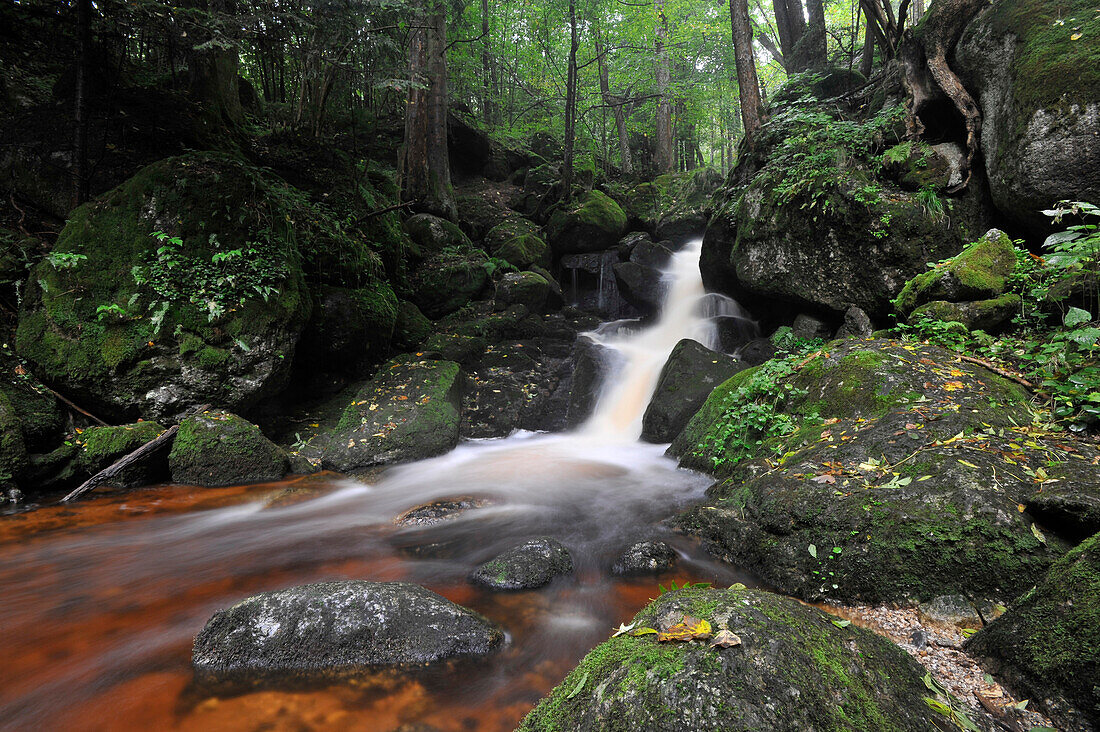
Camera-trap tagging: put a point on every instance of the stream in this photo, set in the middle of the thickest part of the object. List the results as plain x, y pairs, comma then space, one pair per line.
100, 600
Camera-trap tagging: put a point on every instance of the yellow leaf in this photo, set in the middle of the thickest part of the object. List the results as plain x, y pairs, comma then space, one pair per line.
1075, 37
688, 629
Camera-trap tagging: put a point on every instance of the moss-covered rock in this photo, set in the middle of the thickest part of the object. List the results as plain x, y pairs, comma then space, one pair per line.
530, 565
411, 327
38, 411
524, 288
687, 204
989, 315
13, 452
102, 446
592, 223
1034, 68
348, 328
979, 272
1047, 646
448, 280
218, 448
432, 234
409, 410
793, 669
910, 490
130, 323
519, 242
918, 166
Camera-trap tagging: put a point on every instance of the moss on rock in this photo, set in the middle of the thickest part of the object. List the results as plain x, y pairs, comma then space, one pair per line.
13, 452
794, 669
449, 280
519, 242
218, 448
411, 326
102, 446
592, 223
1048, 643
979, 272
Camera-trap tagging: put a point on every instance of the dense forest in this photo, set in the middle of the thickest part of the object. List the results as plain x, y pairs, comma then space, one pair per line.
550, 365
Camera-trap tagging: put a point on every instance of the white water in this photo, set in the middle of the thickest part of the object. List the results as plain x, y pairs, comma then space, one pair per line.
686, 312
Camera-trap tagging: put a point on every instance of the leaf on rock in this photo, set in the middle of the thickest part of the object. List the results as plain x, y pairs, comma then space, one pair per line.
725, 639
578, 687
688, 629
623, 629
644, 631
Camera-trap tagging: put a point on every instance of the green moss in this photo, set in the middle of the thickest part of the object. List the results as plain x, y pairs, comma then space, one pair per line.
101, 446
518, 241
13, 452
216, 448
979, 272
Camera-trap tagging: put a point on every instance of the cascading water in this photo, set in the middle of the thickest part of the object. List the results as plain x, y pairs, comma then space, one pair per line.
98, 618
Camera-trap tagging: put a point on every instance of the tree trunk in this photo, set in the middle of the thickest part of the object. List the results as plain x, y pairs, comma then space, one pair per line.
80, 133
426, 172
790, 25
812, 48
747, 81
570, 105
664, 159
486, 75
867, 61
617, 110
215, 74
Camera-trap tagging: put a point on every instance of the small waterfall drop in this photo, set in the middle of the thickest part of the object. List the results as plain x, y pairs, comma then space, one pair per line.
687, 311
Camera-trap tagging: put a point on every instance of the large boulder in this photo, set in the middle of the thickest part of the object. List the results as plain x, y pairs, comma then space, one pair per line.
448, 280
639, 285
1047, 646
529, 289
530, 565
337, 628
990, 315
13, 451
348, 328
903, 494
409, 410
687, 379
1034, 68
593, 222
688, 203
183, 285
218, 448
432, 234
778, 665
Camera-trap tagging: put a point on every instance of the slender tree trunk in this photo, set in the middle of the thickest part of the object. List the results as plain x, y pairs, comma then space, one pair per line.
426, 169
215, 74
752, 109
617, 110
664, 158
486, 77
80, 134
570, 105
814, 51
867, 61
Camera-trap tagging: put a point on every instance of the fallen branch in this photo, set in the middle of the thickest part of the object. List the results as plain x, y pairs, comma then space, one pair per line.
386, 210
1000, 371
124, 462
72, 405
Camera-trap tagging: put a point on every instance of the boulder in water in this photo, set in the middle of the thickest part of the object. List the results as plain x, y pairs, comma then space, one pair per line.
218, 448
641, 286
101, 446
528, 566
781, 666
687, 379
645, 557
338, 627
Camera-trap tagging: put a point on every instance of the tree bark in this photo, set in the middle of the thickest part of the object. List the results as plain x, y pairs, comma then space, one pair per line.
486, 75
664, 160
570, 105
426, 172
813, 51
215, 73
80, 102
747, 81
867, 61
617, 110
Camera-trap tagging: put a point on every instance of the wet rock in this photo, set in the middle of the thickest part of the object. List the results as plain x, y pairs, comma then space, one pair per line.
102, 446
591, 364
809, 328
448, 280
524, 288
409, 410
528, 566
631, 240
918, 166
687, 379
857, 324
436, 512
411, 327
641, 286
347, 329
992, 316
519, 242
793, 670
1047, 645
218, 448
950, 610
338, 627
650, 254
645, 557
756, 352
592, 223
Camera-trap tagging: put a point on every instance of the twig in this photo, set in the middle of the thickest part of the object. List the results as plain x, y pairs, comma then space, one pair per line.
121, 464
387, 209
72, 405
999, 371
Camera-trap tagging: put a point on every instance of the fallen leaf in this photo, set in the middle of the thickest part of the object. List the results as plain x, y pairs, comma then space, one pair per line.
825, 479
842, 623
644, 631
623, 628
812, 548
1038, 534
578, 687
688, 629
725, 639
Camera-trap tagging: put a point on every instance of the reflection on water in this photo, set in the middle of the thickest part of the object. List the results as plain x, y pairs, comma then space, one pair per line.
99, 602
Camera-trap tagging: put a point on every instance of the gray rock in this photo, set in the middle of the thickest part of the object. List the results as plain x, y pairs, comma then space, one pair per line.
645, 557
530, 565
334, 627
857, 324
218, 448
639, 285
525, 288
592, 362
756, 352
651, 254
950, 610
687, 379
808, 327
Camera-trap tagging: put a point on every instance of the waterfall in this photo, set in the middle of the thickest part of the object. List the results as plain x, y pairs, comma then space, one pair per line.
687, 311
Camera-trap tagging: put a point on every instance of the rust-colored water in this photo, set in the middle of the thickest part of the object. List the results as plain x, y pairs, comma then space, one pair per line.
99, 601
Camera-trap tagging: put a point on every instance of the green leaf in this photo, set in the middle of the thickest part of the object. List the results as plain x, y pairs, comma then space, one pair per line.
578, 687
842, 623
1077, 316
813, 550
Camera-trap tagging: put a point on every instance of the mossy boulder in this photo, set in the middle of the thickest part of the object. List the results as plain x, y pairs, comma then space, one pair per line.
38, 411
1047, 646
979, 272
687, 379
792, 669
348, 328
13, 451
1034, 68
989, 315
519, 242
910, 489
448, 280
128, 323
218, 448
592, 223
858, 244
529, 289
478, 213
687, 206
530, 565
411, 326
432, 234
642, 204
102, 446
408, 411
